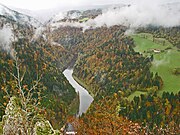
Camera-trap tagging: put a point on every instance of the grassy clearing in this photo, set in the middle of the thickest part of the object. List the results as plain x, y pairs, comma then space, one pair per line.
163, 63
136, 93
144, 45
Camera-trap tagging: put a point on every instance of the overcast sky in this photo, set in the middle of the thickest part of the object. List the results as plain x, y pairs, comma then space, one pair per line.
47, 4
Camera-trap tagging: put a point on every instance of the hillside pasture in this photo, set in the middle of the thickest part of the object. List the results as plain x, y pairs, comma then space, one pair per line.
166, 60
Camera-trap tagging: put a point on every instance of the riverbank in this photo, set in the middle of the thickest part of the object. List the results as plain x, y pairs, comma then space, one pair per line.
82, 83
74, 106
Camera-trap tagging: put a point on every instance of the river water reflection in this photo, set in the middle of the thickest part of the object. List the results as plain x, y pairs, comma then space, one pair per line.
85, 98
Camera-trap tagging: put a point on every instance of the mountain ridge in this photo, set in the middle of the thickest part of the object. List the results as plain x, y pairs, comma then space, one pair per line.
18, 17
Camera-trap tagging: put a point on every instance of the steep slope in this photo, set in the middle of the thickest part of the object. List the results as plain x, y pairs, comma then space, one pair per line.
17, 17
76, 15
38, 59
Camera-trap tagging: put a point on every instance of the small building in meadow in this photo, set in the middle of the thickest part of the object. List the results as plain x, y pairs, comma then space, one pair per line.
156, 51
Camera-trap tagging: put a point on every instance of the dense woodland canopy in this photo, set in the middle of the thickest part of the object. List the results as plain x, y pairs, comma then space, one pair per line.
113, 65
38, 61
154, 111
106, 63
143, 115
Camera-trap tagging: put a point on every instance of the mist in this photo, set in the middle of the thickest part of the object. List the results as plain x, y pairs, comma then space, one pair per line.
141, 13
6, 38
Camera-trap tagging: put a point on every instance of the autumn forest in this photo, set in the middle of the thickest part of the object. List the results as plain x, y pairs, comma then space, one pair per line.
129, 93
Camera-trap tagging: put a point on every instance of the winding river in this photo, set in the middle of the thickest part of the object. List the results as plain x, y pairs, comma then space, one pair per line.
85, 98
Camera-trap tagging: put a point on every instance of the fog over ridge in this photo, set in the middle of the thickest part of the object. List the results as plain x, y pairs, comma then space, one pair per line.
139, 14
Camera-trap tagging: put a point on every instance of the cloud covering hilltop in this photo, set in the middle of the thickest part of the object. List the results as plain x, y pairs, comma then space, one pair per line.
138, 14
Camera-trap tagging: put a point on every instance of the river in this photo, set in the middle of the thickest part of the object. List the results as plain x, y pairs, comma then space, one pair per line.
85, 98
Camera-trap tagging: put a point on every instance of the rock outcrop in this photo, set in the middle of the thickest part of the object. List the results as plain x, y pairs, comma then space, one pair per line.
17, 121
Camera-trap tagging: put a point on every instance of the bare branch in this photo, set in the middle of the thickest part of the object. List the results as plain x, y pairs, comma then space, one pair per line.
22, 78
12, 74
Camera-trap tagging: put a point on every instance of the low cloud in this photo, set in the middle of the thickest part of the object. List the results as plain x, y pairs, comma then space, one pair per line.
163, 61
139, 14
6, 38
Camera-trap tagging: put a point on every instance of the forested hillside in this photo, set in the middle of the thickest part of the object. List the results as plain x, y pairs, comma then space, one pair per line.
108, 63
144, 115
104, 59
108, 66
36, 64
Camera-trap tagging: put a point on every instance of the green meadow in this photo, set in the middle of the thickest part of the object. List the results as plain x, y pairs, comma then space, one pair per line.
166, 58
136, 93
